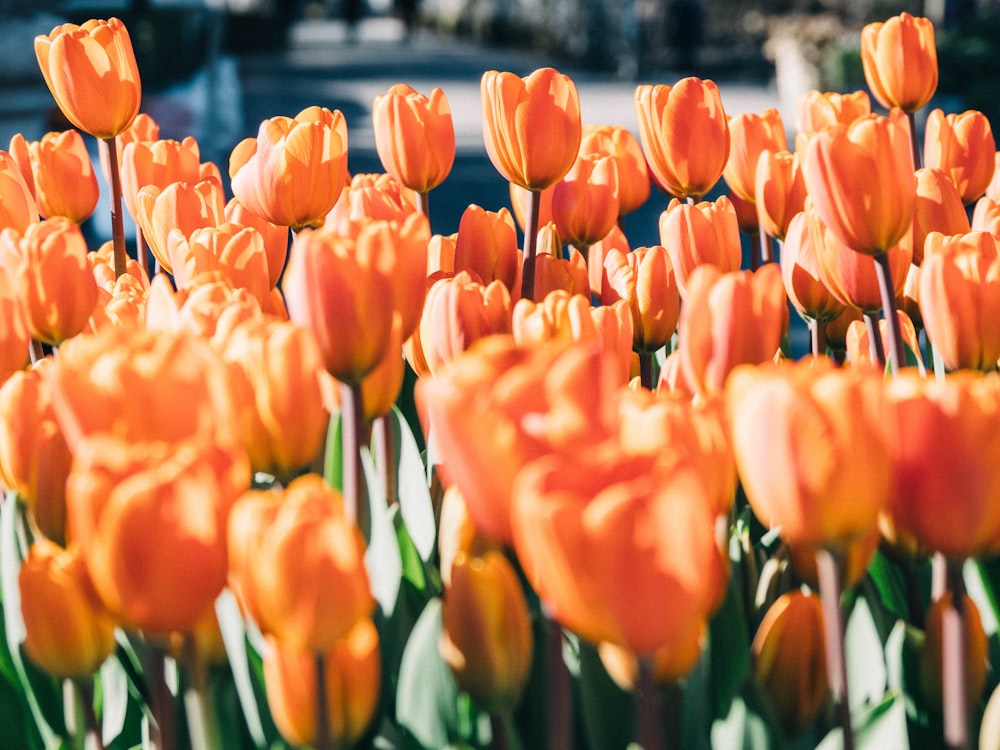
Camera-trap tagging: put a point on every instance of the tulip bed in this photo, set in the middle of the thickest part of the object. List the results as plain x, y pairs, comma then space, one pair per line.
292, 470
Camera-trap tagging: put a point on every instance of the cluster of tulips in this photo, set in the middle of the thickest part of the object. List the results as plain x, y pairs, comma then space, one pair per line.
634, 519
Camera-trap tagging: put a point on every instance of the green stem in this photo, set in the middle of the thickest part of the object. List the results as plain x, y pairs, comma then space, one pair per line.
559, 699
384, 444
889, 307
203, 724
953, 646
355, 496
829, 571
649, 728
163, 729
874, 339
117, 221
530, 245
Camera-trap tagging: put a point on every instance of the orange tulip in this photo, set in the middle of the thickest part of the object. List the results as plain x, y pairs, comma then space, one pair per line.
932, 424
810, 449
486, 246
962, 146
200, 308
531, 126
597, 252
861, 181
685, 135
414, 136
802, 275
183, 206
13, 328
938, 209
441, 254
669, 664
275, 237
552, 271
645, 279
229, 250
487, 638
750, 135
157, 162
17, 202
960, 299
63, 180
900, 61
729, 319
815, 110
56, 284
150, 521
306, 580
985, 216
293, 172
67, 632
858, 341
370, 196
993, 189
585, 203
780, 191
706, 233
633, 174
352, 672
92, 74
336, 288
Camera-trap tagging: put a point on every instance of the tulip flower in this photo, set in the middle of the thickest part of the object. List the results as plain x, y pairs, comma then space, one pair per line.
585, 203
335, 287
13, 329
815, 110
63, 180
183, 206
685, 135
17, 202
727, 320
993, 189
597, 252
667, 664
750, 135
160, 163
961, 145
352, 674
370, 196
487, 638
275, 237
959, 303
229, 250
900, 61
706, 233
633, 174
486, 246
555, 272
414, 136
985, 216
645, 279
802, 275
67, 631
92, 74
441, 254
293, 172
938, 208
306, 580
780, 191
858, 341
810, 449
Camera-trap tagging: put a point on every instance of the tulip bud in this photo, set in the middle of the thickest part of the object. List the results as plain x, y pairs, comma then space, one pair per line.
486, 246
414, 136
961, 145
159, 163
553, 272
938, 208
750, 135
645, 279
815, 110
780, 191
900, 61
585, 203
63, 177
706, 233
184, 206
275, 237
802, 275
633, 174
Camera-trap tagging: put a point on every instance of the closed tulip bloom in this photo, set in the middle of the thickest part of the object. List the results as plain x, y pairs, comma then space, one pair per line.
234, 252
92, 74
487, 638
810, 449
150, 520
960, 299
750, 135
335, 288
802, 276
585, 202
531, 126
17, 201
441, 254
684, 132
486, 246
307, 580
938, 209
944, 448
184, 206
900, 61
13, 328
56, 283
275, 237
815, 110
729, 319
414, 136
552, 271
370, 196
861, 181
623, 147
961, 145
380, 388
645, 279
789, 659
63, 179
706, 233
293, 172
597, 252
780, 191
67, 631
352, 671
157, 162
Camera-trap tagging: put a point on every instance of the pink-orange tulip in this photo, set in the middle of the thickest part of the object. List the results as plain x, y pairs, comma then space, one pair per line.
750, 135
275, 237
13, 328
585, 204
234, 252
706, 233
159, 163
17, 202
962, 146
900, 61
414, 136
552, 271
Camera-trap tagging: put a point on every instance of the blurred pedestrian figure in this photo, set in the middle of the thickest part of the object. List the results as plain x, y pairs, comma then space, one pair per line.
351, 11
406, 10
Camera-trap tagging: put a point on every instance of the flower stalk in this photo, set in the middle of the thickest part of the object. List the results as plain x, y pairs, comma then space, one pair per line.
110, 145
531, 245
829, 571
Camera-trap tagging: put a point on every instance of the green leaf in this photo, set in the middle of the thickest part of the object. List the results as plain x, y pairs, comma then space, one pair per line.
427, 696
728, 651
382, 558
742, 729
889, 580
234, 638
607, 711
879, 727
414, 495
866, 670
333, 461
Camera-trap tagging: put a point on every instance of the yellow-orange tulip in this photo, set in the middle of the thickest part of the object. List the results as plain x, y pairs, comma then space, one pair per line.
306, 579
960, 299
335, 287
352, 672
92, 74
234, 252
157, 162
938, 209
293, 172
67, 631
780, 191
706, 233
486, 246
487, 638
802, 275
932, 424
531, 126
633, 173
861, 181
900, 61
815, 110
684, 132
13, 329
810, 449
414, 136
585, 204
63, 180
645, 279
17, 202
184, 206
370, 196
729, 319
275, 237
150, 521
198, 309
961, 145
750, 135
